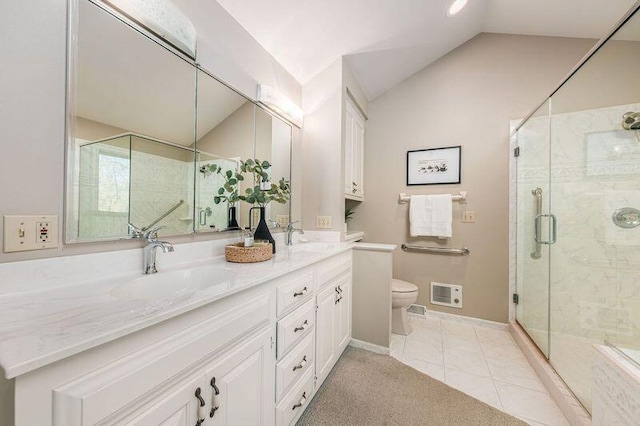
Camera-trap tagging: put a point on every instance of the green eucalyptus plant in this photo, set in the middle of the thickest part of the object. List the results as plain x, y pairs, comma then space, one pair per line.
264, 192
261, 193
229, 191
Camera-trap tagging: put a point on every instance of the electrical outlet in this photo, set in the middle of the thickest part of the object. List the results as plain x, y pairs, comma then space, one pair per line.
323, 222
468, 216
23, 233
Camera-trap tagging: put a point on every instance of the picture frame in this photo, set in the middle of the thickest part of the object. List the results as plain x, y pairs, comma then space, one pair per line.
434, 166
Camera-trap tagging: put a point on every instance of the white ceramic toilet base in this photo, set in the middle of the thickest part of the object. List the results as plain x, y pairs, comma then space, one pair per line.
400, 321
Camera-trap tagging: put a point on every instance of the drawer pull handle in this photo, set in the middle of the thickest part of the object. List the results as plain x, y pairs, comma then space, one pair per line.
213, 385
302, 327
302, 401
302, 363
300, 293
201, 405
213, 411
199, 396
216, 391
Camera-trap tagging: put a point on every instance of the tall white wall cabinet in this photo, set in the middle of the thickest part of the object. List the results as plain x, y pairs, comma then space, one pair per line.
354, 152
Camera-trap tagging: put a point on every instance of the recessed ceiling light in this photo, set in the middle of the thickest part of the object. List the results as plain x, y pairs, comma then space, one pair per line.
456, 6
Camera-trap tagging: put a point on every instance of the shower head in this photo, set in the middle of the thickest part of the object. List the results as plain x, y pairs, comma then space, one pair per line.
631, 121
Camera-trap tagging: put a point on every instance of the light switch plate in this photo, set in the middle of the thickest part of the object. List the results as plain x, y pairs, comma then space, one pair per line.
23, 233
469, 216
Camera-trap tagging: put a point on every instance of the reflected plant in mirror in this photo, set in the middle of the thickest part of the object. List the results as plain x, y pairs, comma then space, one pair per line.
228, 192
264, 191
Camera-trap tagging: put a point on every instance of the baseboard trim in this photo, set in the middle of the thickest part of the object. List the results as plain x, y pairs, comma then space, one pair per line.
369, 347
477, 322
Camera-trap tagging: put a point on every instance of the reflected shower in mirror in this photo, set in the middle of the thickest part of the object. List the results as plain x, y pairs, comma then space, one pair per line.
130, 154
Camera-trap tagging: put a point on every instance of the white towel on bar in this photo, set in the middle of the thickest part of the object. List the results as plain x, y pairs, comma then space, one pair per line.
430, 215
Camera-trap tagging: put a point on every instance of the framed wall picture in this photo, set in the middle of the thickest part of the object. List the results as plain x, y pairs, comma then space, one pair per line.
436, 166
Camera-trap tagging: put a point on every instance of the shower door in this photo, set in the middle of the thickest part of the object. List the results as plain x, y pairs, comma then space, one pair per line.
532, 210
580, 155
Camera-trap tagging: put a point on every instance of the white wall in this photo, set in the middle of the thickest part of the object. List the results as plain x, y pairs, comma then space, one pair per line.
466, 98
32, 111
323, 101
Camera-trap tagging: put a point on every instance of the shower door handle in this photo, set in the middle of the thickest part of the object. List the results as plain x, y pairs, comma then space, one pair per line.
538, 230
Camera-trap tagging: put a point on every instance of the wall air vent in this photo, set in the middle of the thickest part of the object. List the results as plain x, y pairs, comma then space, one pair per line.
446, 295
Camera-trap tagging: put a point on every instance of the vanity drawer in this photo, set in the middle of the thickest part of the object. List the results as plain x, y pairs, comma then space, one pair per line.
294, 365
331, 268
295, 402
294, 292
295, 326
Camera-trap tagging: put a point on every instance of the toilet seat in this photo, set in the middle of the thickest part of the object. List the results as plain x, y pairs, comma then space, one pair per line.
399, 286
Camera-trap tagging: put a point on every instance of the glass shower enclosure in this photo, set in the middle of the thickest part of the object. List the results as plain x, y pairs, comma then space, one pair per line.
578, 212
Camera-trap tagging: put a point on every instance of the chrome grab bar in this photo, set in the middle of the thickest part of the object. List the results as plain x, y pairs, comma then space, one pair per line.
537, 252
181, 202
464, 251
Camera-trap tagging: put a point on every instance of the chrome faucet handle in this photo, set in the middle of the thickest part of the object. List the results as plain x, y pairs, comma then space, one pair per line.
290, 225
273, 223
135, 231
152, 234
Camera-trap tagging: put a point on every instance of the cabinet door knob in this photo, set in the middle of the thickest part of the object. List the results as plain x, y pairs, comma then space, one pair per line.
302, 401
302, 363
302, 327
300, 293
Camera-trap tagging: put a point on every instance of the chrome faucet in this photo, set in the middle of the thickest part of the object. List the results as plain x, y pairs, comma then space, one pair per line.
149, 251
288, 240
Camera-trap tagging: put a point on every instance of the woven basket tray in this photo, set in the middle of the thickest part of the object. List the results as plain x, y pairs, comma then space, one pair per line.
238, 253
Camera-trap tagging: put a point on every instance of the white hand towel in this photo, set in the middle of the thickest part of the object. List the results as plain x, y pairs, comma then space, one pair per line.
430, 215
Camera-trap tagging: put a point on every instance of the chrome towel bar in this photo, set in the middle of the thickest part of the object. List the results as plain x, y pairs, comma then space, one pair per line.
464, 251
462, 198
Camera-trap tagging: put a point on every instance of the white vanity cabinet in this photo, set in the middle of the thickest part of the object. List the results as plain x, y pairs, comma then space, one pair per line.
354, 153
254, 357
333, 316
224, 364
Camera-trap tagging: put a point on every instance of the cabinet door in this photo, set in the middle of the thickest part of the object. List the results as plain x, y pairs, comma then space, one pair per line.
242, 384
343, 315
358, 156
354, 152
348, 151
179, 406
325, 332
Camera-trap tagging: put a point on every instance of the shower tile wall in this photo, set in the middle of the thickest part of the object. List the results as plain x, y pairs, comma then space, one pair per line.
158, 184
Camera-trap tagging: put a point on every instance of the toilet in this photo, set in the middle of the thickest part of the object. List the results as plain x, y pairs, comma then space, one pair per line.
403, 294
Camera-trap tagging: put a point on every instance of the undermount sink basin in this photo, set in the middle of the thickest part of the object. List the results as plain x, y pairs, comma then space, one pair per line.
166, 288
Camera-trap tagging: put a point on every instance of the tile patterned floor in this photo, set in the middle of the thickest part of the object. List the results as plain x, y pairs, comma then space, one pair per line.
481, 361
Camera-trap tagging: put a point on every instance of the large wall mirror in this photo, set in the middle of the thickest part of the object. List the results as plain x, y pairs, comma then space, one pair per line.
228, 132
138, 140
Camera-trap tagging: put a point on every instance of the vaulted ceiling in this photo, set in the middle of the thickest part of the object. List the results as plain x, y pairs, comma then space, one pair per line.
386, 41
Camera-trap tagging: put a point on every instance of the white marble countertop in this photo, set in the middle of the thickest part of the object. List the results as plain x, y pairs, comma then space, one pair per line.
42, 326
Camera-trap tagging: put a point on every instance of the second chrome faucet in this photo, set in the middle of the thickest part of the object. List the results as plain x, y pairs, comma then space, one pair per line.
288, 240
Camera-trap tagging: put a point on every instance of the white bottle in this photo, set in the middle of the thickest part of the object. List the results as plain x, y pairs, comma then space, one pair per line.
247, 237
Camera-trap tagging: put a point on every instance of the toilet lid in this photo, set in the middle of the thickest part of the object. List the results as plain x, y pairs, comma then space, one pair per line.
400, 286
